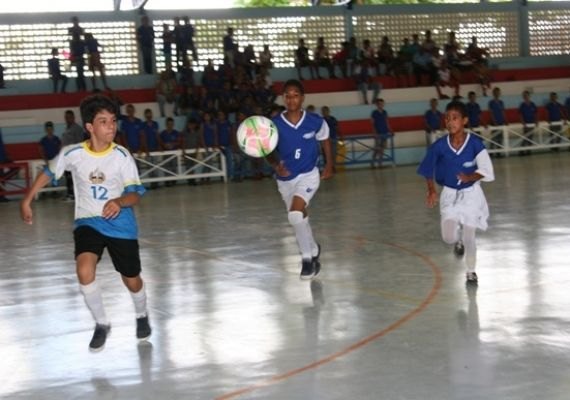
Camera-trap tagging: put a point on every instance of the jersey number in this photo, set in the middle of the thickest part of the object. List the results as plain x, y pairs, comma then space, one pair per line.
99, 192
297, 154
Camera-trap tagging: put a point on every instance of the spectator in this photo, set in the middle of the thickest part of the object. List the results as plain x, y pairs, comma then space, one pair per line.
230, 47
365, 81
382, 132
145, 38
55, 72
555, 114
473, 111
237, 155
76, 29
186, 74
77, 52
167, 40
385, 57
340, 58
72, 134
4, 159
352, 56
2, 83
94, 57
188, 33
406, 56
422, 64
446, 78
166, 91
367, 54
429, 44
132, 131
169, 139
322, 58
179, 42
249, 60
50, 145
333, 132
192, 138
224, 128
210, 130
302, 59
479, 58
433, 121
498, 118
265, 58
528, 113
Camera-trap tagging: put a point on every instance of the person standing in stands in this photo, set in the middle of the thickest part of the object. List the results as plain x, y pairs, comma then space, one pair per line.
188, 33
434, 122
77, 52
333, 133
131, 130
302, 59
54, 71
72, 134
145, 38
167, 40
528, 113
95, 63
50, 145
230, 48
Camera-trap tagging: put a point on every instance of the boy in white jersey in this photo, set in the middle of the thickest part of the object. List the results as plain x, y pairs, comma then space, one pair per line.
459, 162
107, 186
295, 163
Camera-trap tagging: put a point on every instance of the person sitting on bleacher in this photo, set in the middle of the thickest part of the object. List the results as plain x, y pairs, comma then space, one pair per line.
302, 59
50, 145
322, 58
340, 59
429, 44
473, 111
166, 90
479, 57
365, 81
406, 57
445, 78
265, 59
422, 63
368, 54
352, 56
54, 71
385, 57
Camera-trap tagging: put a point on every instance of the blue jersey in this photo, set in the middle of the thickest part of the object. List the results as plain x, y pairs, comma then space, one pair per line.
210, 134
528, 112
554, 110
380, 119
443, 163
497, 108
132, 131
150, 131
473, 114
51, 146
333, 127
3, 155
298, 145
224, 132
433, 119
170, 138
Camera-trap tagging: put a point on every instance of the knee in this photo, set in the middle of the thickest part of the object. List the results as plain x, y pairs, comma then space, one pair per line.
449, 237
295, 217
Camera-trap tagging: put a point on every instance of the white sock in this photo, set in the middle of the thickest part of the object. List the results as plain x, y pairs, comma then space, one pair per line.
94, 301
139, 300
314, 247
304, 237
470, 247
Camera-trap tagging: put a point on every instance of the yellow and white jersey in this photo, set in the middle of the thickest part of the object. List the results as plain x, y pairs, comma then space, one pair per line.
98, 178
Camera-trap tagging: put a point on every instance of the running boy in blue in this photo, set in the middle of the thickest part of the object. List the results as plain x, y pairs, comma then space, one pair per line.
107, 186
295, 162
458, 162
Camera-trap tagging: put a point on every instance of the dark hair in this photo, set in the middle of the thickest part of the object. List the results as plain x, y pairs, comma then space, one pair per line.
169, 119
471, 93
294, 83
457, 106
92, 105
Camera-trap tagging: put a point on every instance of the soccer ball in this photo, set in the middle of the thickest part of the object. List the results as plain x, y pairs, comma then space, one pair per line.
257, 136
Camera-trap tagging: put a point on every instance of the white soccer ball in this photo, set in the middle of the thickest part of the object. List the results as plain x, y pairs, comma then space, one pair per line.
257, 136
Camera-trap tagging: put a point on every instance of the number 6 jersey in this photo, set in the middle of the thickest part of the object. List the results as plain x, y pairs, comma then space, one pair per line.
98, 178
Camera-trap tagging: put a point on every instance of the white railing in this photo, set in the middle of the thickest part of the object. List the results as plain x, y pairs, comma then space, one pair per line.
163, 166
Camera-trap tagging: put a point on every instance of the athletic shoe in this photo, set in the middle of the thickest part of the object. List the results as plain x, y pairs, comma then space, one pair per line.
316, 258
316, 266
99, 337
471, 277
459, 249
143, 328
307, 270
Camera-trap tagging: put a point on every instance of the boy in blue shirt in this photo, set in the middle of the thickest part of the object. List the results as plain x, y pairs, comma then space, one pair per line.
50, 145
131, 130
333, 132
459, 162
473, 111
295, 162
555, 113
527, 111
382, 130
498, 118
169, 139
434, 121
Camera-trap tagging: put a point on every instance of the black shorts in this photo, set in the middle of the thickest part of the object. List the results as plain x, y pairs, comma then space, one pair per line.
124, 252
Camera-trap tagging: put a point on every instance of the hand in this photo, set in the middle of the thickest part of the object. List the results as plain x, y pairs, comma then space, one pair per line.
328, 172
112, 209
463, 178
26, 212
431, 199
281, 170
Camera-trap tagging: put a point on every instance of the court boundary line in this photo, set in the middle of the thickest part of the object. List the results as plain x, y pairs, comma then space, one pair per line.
436, 286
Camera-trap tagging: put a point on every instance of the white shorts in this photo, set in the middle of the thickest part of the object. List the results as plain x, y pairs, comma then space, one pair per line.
304, 186
467, 206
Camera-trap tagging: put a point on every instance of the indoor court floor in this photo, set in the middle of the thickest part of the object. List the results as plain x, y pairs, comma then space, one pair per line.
389, 317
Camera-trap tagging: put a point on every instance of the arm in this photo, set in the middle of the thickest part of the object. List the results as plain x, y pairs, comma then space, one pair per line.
328, 172
484, 170
277, 165
431, 195
25, 206
112, 208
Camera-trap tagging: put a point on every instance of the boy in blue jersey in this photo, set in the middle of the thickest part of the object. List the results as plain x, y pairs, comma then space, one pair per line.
50, 145
295, 163
107, 186
149, 142
473, 111
498, 118
555, 113
131, 130
434, 121
382, 130
333, 132
459, 162
528, 113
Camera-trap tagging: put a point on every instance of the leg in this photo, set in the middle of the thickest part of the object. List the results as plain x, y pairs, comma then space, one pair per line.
450, 231
363, 88
85, 268
470, 247
64, 83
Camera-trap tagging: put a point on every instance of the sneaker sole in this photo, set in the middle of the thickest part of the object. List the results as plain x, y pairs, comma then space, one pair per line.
307, 277
144, 339
98, 349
